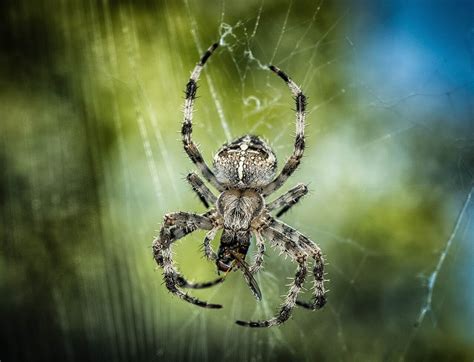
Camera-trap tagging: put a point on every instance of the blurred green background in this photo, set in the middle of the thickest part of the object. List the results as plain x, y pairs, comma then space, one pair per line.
90, 109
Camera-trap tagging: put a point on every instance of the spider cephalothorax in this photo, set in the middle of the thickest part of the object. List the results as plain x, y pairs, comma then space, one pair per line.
244, 175
237, 207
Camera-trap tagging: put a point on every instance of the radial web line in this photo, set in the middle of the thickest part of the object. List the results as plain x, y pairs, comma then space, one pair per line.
303, 36
283, 29
434, 275
433, 278
313, 55
141, 122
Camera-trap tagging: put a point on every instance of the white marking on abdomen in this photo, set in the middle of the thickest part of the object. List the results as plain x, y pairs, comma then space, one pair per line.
240, 169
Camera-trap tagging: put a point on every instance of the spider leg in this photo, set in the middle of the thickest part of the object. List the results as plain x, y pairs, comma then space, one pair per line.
297, 254
293, 162
189, 146
288, 304
287, 200
258, 260
208, 252
319, 293
205, 195
175, 226
211, 255
183, 283
319, 298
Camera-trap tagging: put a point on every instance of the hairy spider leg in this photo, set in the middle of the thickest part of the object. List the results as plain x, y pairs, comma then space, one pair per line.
319, 297
205, 195
298, 247
187, 128
296, 254
175, 226
293, 162
208, 251
249, 279
319, 293
288, 304
288, 200
183, 283
258, 259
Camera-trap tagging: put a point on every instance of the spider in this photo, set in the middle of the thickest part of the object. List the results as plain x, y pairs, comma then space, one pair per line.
244, 174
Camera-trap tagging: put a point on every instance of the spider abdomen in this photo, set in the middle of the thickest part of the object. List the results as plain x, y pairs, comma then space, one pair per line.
247, 162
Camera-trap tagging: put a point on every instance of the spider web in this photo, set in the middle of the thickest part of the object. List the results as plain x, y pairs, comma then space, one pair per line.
238, 40
389, 166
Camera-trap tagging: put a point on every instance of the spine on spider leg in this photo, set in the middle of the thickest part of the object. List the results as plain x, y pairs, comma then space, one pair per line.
319, 299
301, 102
289, 199
293, 162
190, 92
190, 147
300, 114
205, 195
288, 304
171, 231
319, 295
208, 53
191, 86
